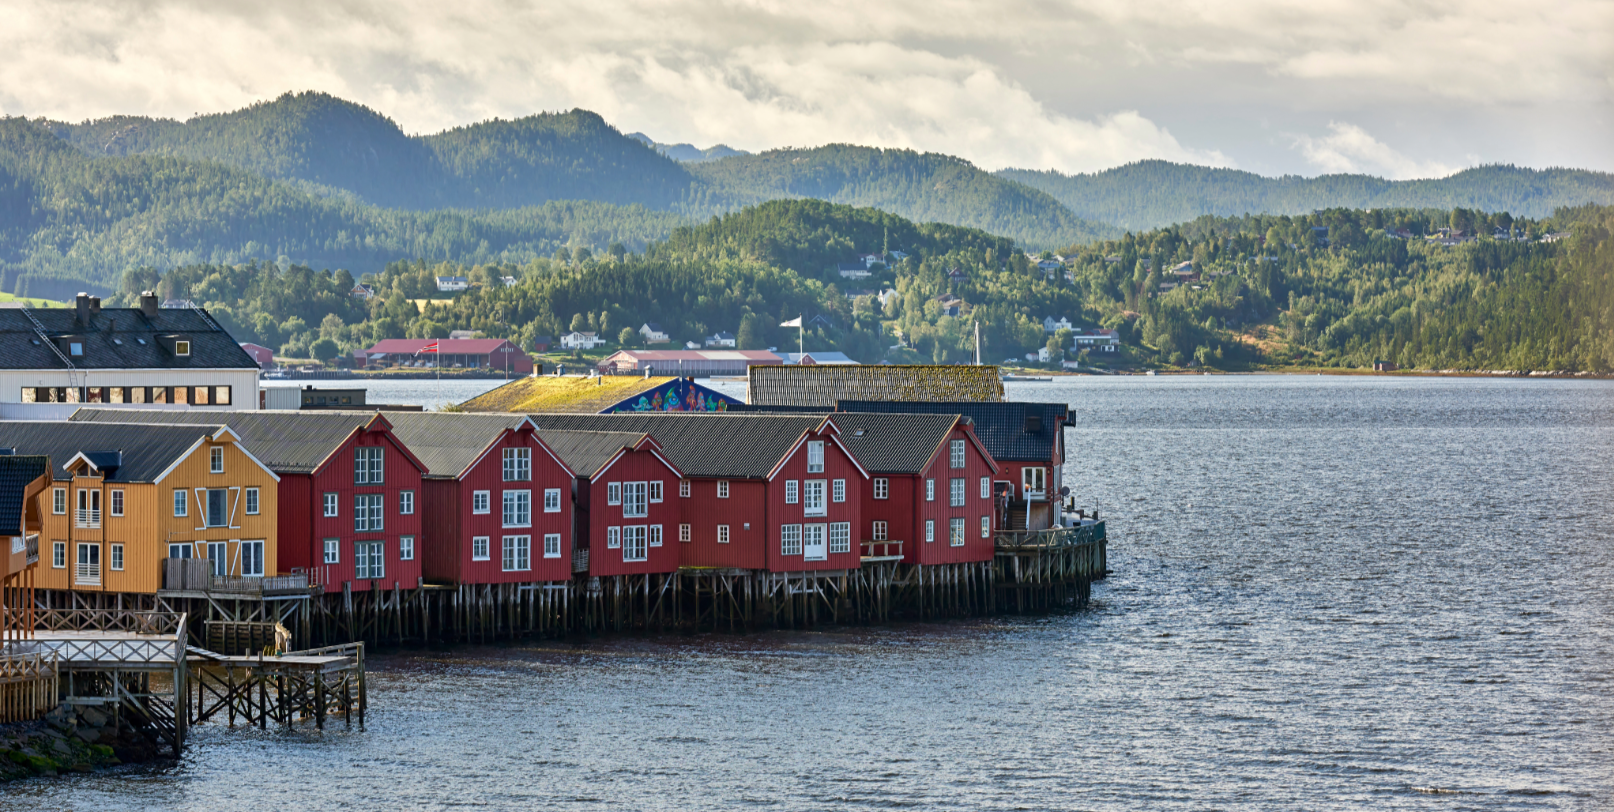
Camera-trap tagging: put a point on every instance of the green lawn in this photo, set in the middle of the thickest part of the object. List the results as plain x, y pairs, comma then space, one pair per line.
8, 297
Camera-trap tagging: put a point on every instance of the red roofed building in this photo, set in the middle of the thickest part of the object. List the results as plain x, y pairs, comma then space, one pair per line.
465, 353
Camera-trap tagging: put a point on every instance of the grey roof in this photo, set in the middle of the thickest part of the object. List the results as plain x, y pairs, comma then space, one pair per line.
893, 443
704, 445
15, 474
118, 338
445, 442
1000, 426
585, 451
147, 450
288, 442
825, 385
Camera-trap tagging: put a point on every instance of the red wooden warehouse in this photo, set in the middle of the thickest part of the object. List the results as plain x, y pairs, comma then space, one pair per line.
626, 520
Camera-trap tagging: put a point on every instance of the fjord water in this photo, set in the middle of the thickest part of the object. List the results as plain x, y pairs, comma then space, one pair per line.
1329, 593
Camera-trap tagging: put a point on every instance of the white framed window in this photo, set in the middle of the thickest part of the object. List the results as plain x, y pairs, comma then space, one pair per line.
837, 490
406, 548
369, 560
479, 548
813, 503
215, 460
613, 538
812, 542
58, 501
552, 500
955, 454
683, 489
613, 493
635, 500
406, 503
253, 506
955, 531
986, 527
792, 491
815, 456
332, 508
722, 534
252, 559
182, 550
117, 502
655, 491
117, 557
517, 509
367, 466
635, 544
882, 488
58, 555
986, 487
930, 490
1034, 482
955, 492
517, 554
551, 545
790, 539
481, 501
333, 552
840, 537
880, 531
722, 489
930, 530
655, 535
368, 513
181, 349
683, 533
518, 465
181, 502
217, 504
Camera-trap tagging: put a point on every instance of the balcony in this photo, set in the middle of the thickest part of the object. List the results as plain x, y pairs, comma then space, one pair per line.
87, 517
33, 548
87, 574
1055, 537
196, 575
882, 551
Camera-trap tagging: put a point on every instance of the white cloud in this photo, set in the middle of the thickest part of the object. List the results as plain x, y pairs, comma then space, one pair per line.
1350, 149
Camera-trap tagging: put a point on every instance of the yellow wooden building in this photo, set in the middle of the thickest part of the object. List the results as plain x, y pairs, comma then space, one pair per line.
125, 497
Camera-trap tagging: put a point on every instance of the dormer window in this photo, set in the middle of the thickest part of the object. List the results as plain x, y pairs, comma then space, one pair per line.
182, 348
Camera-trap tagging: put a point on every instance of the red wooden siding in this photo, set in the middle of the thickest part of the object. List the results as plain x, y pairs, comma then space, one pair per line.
940, 551
837, 465
453, 532
399, 473
745, 513
898, 512
293, 550
634, 466
443, 547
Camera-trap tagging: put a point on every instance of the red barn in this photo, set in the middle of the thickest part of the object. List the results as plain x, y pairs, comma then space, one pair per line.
627, 517
497, 501
930, 496
760, 491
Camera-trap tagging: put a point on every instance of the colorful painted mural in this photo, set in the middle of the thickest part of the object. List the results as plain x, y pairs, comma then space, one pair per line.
677, 395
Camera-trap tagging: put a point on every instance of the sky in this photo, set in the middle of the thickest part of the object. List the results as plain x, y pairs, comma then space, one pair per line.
1403, 89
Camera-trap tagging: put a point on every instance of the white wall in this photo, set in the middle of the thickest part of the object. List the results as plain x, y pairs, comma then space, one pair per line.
243, 383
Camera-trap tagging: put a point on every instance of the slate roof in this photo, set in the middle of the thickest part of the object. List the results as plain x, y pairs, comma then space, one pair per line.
15, 474
894, 443
826, 385
288, 442
740, 446
585, 451
118, 338
1000, 426
147, 450
557, 393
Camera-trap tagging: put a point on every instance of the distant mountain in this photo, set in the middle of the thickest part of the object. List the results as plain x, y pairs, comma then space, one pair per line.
688, 153
923, 187
1150, 194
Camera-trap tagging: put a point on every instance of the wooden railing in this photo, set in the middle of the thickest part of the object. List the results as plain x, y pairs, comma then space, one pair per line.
28, 686
1053, 537
884, 548
196, 575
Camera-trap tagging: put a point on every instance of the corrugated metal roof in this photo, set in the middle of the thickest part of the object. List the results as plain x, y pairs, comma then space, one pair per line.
703, 445
1001, 427
558, 394
893, 443
448, 443
118, 338
16, 471
288, 442
147, 450
815, 385
585, 451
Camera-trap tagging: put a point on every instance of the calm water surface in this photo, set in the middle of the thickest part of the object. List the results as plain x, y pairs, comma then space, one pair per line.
1330, 593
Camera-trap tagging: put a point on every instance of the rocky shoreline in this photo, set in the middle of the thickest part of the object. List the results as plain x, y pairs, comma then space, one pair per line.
66, 740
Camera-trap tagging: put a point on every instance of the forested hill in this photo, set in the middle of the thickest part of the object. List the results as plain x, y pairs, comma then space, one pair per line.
925, 187
1150, 194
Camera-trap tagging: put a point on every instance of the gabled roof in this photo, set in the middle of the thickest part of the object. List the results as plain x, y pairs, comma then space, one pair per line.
148, 451
585, 452
118, 338
16, 473
287, 442
825, 385
1000, 426
446, 443
894, 443
717, 445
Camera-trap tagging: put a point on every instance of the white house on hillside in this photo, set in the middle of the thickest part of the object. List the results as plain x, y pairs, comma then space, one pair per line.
1051, 326
446, 284
576, 340
721, 339
653, 334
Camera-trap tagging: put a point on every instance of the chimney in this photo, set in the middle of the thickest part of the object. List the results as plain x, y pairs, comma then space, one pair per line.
81, 304
148, 303
95, 305
647, 373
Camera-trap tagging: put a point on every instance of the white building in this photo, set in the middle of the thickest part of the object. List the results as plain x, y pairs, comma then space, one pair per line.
581, 341
1050, 326
137, 356
653, 334
721, 339
447, 284
1099, 341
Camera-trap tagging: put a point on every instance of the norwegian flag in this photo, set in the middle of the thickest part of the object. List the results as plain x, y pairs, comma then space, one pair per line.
432, 347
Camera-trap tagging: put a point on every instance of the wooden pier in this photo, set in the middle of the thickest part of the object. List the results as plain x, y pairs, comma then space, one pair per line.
279, 689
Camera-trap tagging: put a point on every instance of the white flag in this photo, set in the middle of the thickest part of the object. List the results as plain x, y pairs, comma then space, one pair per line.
795, 322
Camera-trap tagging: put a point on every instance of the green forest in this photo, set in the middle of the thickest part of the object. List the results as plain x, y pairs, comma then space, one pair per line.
1341, 288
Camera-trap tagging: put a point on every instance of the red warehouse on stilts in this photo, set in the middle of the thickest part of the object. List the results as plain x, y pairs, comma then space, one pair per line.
625, 519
